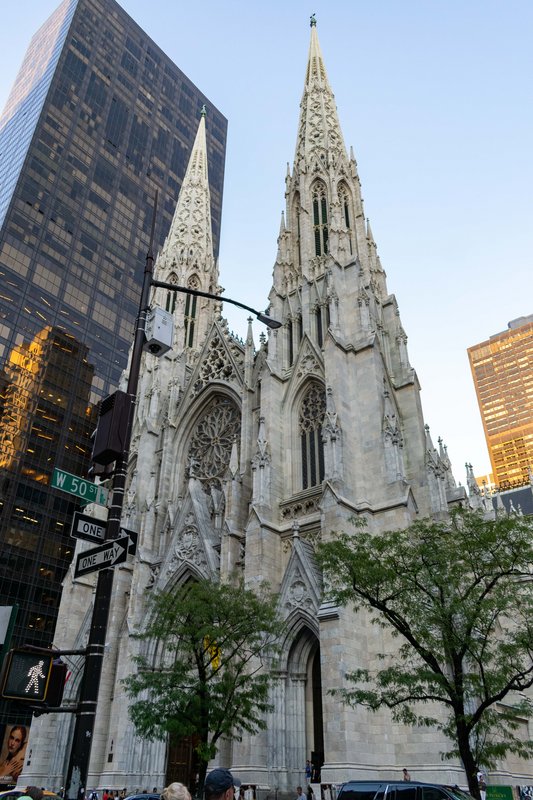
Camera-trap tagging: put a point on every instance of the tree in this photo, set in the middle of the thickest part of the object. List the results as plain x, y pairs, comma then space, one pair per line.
202, 672
458, 594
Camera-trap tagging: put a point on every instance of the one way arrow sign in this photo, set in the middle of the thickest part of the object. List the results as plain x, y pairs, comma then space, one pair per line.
107, 555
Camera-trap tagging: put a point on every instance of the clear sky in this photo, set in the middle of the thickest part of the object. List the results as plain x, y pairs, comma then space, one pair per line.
436, 98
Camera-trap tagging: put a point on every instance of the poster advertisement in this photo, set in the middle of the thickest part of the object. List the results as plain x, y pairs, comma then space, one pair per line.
13, 751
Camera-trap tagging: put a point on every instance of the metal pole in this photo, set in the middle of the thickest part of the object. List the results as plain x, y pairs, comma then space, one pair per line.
76, 781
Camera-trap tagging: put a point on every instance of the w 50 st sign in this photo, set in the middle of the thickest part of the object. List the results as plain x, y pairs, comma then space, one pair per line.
85, 490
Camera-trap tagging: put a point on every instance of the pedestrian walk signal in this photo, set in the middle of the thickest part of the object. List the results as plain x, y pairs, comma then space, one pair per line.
26, 676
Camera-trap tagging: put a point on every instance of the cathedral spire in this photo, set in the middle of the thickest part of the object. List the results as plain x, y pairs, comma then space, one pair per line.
319, 131
186, 258
188, 249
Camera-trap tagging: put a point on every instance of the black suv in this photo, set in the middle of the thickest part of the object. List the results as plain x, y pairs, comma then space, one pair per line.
401, 790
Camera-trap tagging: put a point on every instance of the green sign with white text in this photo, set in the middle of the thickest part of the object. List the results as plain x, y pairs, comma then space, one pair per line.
85, 490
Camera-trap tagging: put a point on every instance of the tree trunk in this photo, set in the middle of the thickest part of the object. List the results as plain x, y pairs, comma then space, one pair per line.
202, 772
467, 757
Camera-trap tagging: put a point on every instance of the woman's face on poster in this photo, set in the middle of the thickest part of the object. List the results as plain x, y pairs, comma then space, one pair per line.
15, 741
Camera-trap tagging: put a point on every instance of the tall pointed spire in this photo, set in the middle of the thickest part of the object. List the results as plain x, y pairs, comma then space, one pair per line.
188, 248
319, 131
186, 258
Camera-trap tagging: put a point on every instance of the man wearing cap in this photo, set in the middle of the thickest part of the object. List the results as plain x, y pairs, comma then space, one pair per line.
220, 785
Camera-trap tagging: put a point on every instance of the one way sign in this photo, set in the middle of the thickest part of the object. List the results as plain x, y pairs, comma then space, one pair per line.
107, 555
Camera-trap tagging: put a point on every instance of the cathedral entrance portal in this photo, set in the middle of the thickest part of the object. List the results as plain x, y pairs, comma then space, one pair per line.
305, 733
182, 762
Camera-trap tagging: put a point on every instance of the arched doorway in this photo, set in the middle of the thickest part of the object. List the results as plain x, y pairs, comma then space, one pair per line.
303, 710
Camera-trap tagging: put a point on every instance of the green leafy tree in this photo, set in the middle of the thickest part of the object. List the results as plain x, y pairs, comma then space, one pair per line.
204, 675
458, 594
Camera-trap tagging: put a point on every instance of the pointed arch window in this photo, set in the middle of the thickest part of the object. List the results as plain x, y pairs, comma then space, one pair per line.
320, 219
322, 322
344, 197
170, 303
190, 311
290, 342
311, 418
297, 224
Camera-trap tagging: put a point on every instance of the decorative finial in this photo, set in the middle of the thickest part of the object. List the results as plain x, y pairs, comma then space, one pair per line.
313, 21
203, 111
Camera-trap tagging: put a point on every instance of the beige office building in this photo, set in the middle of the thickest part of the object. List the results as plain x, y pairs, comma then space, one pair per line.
502, 368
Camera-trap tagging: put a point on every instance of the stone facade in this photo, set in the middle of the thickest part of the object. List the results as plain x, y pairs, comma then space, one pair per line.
242, 458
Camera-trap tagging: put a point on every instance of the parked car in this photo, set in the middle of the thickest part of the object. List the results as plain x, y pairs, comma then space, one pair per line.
142, 796
399, 790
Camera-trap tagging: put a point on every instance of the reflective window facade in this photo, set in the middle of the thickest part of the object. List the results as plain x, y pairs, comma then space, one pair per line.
98, 120
502, 368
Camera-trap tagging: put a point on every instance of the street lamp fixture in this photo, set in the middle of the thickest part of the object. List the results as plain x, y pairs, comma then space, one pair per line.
76, 778
264, 318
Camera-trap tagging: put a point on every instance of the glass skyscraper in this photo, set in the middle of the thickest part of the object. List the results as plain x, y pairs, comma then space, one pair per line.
98, 120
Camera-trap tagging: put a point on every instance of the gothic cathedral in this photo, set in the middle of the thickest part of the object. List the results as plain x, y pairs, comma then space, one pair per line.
243, 457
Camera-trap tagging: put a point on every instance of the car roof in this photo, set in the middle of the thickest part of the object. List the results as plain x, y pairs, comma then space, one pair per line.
450, 787
400, 781
143, 796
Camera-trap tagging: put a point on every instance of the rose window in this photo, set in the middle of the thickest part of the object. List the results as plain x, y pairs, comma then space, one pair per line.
212, 440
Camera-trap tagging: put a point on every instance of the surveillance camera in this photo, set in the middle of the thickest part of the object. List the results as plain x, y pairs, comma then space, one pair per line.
158, 331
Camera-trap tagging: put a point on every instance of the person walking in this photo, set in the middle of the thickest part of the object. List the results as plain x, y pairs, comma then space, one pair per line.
175, 791
482, 783
406, 775
32, 793
220, 784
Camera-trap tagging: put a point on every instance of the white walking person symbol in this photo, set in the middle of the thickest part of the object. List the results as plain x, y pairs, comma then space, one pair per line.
34, 673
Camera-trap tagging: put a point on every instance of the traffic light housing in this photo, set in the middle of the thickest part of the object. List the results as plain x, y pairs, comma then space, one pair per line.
56, 684
112, 428
26, 676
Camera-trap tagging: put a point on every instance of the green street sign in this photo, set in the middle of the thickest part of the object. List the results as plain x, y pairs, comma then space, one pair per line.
85, 490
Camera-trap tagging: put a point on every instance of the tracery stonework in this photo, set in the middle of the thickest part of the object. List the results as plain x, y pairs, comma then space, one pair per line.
308, 364
210, 448
313, 409
216, 365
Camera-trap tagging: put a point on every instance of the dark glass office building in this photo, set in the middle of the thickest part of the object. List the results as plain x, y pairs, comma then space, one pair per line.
98, 120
